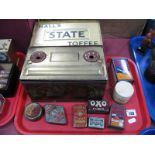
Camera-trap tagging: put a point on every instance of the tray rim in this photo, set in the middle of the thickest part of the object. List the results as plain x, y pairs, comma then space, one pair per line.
20, 130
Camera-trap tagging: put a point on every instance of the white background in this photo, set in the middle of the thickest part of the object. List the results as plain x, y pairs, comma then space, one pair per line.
77, 145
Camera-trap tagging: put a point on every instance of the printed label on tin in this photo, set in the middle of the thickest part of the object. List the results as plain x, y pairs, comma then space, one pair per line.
66, 33
95, 122
98, 106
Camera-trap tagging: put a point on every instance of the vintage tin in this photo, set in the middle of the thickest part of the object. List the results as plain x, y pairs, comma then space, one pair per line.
33, 111
55, 114
121, 70
58, 69
117, 116
79, 116
96, 122
123, 91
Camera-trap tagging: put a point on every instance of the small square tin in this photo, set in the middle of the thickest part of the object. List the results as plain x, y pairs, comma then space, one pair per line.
96, 122
55, 114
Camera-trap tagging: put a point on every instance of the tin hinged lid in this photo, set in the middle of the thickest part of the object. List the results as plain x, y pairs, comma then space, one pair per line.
66, 33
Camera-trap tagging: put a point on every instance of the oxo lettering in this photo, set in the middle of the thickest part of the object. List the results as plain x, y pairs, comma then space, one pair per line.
98, 103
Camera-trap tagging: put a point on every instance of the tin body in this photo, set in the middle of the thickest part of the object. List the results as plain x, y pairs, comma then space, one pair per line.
79, 116
55, 114
117, 116
65, 73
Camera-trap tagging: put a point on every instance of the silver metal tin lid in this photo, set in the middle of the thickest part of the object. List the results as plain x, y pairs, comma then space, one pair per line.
66, 33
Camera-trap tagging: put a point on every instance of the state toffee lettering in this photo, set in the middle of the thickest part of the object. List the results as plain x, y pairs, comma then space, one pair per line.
75, 43
67, 34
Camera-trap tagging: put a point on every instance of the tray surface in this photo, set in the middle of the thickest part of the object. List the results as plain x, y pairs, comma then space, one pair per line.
11, 102
137, 102
142, 62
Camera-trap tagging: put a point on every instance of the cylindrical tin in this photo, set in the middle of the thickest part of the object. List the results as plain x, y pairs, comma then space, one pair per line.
33, 111
123, 91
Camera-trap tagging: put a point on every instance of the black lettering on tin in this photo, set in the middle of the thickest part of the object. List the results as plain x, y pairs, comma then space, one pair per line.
70, 43
52, 35
59, 34
81, 34
80, 42
95, 42
74, 33
75, 43
66, 34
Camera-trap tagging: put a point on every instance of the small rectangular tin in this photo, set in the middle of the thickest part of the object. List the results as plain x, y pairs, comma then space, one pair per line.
117, 116
79, 116
121, 70
55, 114
96, 122
98, 107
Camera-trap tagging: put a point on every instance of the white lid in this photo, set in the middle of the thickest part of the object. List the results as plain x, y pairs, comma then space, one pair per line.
124, 89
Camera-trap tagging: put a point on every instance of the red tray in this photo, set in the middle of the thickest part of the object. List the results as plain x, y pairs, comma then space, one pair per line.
11, 103
41, 127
